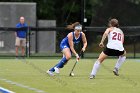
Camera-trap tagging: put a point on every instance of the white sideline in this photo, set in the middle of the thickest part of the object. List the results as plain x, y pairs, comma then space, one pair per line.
7, 91
21, 85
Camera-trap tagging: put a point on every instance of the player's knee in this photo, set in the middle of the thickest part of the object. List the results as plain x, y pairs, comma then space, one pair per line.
23, 47
100, 60
68, 57
124, 53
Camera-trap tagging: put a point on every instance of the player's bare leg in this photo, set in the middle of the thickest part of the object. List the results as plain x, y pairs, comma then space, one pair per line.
61, 63
16, 49
67, 56
23, 51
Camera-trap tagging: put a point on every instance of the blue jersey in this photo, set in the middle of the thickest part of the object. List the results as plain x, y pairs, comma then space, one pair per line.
21, 33
65, 43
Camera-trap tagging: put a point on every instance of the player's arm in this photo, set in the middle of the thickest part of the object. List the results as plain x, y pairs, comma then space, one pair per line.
17, 26
122, 37
104, 37
84, 42
70, 40
15, 34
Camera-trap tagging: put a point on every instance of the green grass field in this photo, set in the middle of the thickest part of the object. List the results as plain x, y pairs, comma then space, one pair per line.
30, 77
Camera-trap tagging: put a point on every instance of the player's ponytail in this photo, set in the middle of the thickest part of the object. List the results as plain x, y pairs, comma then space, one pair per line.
71, 26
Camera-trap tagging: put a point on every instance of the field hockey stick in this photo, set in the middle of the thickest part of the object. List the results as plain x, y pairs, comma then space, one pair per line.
75, 64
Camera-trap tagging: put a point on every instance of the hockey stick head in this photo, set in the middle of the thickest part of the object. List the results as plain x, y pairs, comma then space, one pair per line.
71, 74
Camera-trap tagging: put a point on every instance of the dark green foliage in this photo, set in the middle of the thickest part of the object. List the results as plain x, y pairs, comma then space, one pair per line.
97, 11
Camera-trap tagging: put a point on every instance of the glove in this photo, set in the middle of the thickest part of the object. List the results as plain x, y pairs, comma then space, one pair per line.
77, 57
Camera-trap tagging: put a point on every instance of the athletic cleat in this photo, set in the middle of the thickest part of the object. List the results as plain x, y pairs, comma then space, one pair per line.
92, 77
50, 73
115, 71
57, 70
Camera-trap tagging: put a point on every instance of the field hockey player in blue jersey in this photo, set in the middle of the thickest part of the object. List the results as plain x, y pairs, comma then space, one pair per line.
67, 47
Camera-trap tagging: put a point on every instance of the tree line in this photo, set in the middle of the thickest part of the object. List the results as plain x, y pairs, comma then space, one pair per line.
98, 12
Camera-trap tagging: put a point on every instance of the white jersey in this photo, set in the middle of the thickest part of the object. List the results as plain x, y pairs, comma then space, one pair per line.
115, 39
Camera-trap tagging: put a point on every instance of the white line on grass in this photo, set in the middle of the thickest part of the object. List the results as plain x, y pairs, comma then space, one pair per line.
137, 60
3, 90
23, 86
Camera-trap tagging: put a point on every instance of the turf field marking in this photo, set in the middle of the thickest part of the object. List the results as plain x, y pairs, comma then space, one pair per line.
21, 85
57, 79
3, 90
137, 60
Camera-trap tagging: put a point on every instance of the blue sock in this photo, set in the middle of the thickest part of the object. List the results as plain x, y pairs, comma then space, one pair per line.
52, 69
60, 64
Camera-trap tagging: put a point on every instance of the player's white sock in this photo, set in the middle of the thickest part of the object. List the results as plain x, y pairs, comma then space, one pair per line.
120, 61
95, 67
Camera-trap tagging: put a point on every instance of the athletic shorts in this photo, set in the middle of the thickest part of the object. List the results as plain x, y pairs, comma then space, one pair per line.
20, 42
64, 45
112, 52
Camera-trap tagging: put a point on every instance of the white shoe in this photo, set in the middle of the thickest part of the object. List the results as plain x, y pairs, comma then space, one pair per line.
50, 73
115, 71
57, 70
92, 76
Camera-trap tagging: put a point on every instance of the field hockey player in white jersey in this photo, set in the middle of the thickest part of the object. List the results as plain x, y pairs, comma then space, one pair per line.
114, 47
